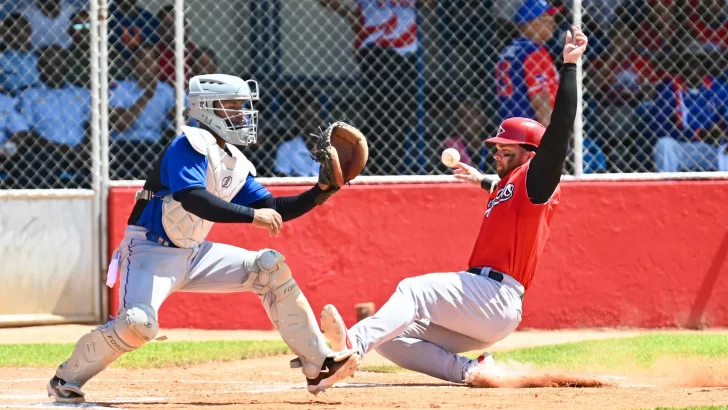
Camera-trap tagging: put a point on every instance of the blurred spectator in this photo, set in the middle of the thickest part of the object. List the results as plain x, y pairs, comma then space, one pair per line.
130, 26
141, 112
604, 12
165, 46
624, 78
58, 114
56, 110
13, 129
658, 31
527, 79
18, 63
293, 157
203, 61
709, 24
469, 135
690, 104
79, 65
49, 20
386, 44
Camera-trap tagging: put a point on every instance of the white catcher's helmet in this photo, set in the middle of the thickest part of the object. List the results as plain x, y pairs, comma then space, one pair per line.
236, 126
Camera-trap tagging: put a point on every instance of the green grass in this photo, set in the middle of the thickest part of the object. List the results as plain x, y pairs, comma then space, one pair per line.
691, 408
383, 368
157, 354
639, 351
610, 354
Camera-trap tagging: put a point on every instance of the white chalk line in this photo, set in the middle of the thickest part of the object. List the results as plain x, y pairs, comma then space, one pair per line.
89, 405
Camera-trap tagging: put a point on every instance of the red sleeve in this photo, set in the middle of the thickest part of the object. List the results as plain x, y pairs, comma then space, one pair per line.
539, 72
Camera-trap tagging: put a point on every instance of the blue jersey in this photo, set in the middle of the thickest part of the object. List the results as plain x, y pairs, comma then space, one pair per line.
524, 70
692, 109
184, 168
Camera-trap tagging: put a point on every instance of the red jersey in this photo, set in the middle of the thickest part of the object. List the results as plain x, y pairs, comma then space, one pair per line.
514, 230
166, 61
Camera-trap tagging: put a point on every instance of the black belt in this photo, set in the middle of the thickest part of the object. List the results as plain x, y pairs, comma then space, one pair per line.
492, 273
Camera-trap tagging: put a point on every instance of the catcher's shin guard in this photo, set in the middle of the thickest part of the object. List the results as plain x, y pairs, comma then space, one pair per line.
134, 326
289, 310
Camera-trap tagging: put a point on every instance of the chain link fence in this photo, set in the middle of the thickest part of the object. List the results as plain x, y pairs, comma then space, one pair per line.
417, 76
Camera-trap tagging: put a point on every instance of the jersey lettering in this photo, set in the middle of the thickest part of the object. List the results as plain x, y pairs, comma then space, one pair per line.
503, 195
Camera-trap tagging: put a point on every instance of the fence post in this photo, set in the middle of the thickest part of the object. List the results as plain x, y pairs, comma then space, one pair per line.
179, 64
578, 121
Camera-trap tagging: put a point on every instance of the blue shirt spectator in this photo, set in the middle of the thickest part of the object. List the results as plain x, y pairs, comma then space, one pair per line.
11, 121
695, 110
49, 20
293, 158
56, 110
142, 107
693, 107
153, 119
59, 114
18, 64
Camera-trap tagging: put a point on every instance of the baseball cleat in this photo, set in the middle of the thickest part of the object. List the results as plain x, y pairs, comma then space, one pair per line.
484, 365
334, 369
334, 329
64, 392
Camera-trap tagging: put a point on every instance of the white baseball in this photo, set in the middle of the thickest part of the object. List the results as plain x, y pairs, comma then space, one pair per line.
450, 157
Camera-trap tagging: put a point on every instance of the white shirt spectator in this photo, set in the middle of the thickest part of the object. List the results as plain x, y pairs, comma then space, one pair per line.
47, 31
293, 159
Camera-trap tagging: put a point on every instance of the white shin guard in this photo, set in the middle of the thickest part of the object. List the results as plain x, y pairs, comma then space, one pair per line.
289, 310
133, 327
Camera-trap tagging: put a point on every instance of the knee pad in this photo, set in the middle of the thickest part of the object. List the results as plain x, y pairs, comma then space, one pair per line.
135, 325
274, 274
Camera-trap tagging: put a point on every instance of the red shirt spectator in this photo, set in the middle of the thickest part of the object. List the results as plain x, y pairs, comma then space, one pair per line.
165, 47
166, 61
709, 24
655, 34
625, 76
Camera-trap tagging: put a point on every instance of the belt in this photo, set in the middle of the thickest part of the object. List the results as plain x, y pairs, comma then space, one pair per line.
151, 236
491, 273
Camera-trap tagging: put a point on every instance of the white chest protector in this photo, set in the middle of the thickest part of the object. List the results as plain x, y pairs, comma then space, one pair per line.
226, 176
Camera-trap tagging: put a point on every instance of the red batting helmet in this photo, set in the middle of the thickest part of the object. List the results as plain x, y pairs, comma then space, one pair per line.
517, 130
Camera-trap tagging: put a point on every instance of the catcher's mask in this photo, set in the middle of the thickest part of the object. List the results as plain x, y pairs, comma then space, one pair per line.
224, 103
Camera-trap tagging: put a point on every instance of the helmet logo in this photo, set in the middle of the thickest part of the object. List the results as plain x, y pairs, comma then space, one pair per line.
500, 130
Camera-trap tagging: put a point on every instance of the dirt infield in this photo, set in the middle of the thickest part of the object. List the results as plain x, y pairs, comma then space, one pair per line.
271, 384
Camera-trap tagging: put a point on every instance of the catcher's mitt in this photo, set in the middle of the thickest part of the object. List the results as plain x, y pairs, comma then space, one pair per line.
342, 152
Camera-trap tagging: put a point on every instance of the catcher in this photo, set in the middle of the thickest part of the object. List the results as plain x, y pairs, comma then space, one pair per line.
201, 178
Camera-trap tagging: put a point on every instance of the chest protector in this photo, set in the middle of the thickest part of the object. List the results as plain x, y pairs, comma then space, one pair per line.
227, 171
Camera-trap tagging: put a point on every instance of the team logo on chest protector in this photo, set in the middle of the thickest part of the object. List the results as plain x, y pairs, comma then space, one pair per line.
503, 195
226, 182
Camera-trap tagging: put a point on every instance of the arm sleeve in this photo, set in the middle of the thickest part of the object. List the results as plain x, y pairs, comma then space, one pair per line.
290, 207
207, 206
544, 171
